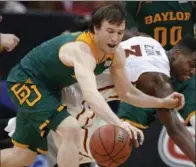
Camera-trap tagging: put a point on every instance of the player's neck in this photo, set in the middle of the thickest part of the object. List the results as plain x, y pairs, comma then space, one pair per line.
100, 52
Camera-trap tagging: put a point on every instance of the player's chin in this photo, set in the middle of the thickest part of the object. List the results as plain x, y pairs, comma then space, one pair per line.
110, 50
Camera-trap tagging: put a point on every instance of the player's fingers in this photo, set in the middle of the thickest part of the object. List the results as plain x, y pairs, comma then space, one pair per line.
174, 102
140, 137
134, 133
130, 133
16, 39
181, 103
10, 48
12, 45
135, 141
178, 95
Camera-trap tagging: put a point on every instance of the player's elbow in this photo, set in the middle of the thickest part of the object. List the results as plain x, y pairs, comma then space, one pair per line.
124, 96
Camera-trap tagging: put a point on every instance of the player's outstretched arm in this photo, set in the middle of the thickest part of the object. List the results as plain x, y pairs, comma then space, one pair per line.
129, 94
84, 64
175, 128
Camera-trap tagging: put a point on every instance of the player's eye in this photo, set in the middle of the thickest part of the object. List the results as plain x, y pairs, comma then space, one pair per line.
120, 33
110, 32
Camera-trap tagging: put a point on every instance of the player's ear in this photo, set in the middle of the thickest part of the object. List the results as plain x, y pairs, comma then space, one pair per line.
177, 53
96, 28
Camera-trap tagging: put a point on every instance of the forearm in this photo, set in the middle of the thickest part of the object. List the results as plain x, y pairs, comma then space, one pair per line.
185, 142
98, 104
178, 132
140, 99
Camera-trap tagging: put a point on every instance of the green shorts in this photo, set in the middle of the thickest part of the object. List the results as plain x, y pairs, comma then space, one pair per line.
39, 110
142, 118
136, 116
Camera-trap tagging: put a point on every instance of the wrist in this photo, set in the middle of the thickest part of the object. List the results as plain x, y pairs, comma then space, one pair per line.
160, 102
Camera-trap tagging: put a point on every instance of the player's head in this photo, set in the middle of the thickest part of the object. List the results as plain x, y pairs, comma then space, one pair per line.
183, 60
108, 25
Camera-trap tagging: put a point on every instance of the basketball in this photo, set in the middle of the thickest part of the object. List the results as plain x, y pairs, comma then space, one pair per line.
110, 146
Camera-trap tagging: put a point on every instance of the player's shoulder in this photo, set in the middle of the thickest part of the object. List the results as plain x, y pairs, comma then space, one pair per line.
76, 51
140, 40
76, 45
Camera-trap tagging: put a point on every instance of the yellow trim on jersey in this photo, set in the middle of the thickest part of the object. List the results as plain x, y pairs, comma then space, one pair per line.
88, 38
189, 117
42, 133
42, 126
135, 124
60, 108
19, 144
42, 151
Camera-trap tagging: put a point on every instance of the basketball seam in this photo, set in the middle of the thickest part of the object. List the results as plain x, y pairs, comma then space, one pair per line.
98, 153
122, 147
104, 146
114, 143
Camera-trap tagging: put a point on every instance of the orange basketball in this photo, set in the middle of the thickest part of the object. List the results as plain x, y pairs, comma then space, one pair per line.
110, 146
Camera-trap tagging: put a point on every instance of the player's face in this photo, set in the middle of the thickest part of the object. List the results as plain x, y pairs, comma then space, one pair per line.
109, 36
183, 66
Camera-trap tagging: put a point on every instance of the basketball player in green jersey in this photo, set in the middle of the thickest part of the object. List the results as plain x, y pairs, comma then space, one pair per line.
35, 86
165, 21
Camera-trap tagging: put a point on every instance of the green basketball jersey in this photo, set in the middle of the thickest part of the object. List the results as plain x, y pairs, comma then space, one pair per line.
165, 21
43, 61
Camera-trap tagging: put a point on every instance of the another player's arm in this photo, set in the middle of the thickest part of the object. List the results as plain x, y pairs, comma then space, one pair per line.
126, 91
84, 64
175, 128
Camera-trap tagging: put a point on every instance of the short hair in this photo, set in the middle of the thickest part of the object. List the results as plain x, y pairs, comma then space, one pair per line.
187, 45
113, 13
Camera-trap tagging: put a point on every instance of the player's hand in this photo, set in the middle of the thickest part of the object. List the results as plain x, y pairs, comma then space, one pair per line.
9, 41
135, 134
174, 101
